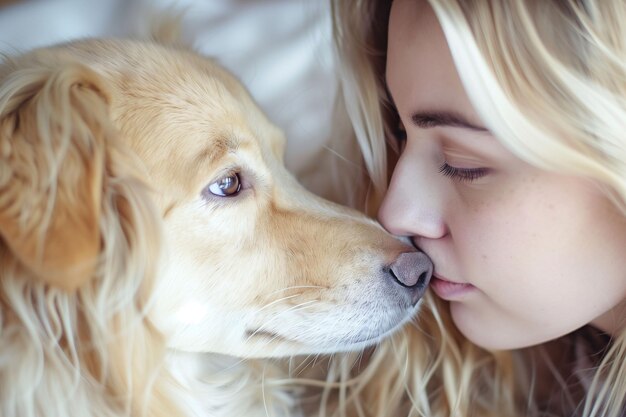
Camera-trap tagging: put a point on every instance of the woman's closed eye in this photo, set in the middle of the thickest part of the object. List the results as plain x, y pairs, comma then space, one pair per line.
463, 174
399, 139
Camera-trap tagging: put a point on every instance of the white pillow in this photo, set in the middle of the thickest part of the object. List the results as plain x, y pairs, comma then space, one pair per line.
280, 49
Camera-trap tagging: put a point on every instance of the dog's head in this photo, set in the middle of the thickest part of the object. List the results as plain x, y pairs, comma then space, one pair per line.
252, 264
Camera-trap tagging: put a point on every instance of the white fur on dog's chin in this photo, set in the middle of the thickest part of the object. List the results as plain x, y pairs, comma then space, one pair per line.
195, 319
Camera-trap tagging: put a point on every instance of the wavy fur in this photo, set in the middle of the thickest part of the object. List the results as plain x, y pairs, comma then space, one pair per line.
66, 351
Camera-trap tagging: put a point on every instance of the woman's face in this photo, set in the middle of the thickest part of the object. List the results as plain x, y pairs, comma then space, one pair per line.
522, 255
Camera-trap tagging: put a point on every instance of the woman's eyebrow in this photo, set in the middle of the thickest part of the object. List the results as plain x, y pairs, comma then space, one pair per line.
430, 119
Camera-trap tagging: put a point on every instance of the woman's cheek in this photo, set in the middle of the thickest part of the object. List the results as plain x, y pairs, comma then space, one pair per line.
493, 230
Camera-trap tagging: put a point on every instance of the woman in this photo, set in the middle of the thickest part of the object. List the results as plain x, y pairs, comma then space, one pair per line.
506, 125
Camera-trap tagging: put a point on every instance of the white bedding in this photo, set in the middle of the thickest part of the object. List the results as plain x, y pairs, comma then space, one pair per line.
280, 49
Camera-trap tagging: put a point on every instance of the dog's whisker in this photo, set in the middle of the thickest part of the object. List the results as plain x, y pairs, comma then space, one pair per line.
296, 287
292, 309
360, 357
271, 303
289, 296
263, 396
307, 362
295, 307
265, 325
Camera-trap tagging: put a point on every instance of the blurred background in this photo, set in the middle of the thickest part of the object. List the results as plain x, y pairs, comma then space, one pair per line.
280, 49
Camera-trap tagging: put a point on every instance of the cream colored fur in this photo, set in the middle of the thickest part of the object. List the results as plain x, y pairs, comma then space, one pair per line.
126, 286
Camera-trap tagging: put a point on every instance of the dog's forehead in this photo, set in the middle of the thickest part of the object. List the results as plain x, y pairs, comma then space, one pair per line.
184, 85
193, 88
179, 111
200, 112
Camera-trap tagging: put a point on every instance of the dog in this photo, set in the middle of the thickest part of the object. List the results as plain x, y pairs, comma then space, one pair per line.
153, 244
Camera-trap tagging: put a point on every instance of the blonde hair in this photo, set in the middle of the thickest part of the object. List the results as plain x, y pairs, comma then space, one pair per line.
425, 370
553, 71
88, 350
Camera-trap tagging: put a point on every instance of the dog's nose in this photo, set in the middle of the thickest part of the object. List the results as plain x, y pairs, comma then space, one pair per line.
412, 270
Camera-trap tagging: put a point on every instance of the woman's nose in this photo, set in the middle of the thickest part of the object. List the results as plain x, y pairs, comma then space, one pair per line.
413, 205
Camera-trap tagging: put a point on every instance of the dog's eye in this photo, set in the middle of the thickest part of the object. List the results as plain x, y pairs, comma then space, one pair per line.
226, 187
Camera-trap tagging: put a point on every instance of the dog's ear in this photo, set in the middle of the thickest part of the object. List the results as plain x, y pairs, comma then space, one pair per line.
54, 124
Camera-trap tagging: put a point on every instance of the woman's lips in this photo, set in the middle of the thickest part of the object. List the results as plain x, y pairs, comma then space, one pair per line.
449, 290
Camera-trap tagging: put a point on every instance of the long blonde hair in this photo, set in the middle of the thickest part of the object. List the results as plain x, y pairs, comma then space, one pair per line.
88, 350
553, 71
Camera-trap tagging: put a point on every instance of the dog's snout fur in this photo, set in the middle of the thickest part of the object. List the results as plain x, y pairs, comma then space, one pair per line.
413, 271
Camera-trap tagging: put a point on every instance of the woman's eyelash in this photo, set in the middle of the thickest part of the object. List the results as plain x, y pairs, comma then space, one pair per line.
463, 174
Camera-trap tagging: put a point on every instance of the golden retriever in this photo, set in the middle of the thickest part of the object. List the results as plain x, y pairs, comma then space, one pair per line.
151, 238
